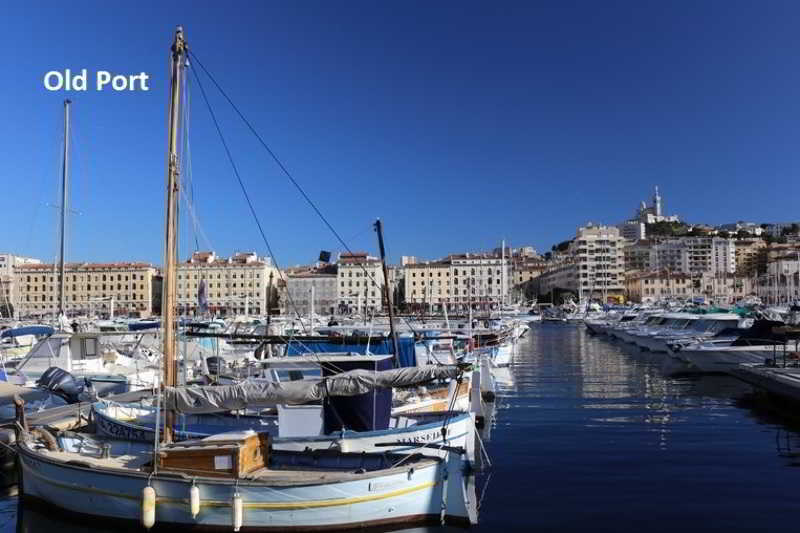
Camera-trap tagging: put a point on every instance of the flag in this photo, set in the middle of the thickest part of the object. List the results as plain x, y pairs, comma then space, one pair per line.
202, 299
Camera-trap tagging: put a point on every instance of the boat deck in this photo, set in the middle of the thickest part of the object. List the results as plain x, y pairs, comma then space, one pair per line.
140, 461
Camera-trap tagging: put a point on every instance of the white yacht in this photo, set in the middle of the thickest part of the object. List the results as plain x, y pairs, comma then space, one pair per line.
92, 356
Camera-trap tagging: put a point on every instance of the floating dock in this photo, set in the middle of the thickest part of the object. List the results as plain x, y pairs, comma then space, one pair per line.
781, 381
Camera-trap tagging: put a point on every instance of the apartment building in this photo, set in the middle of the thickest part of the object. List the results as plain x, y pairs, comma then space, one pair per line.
638, 256
524, 274
632, 230
657, 285
359, 283
482, 279
751, 256
781, 282
429, 283
559, 277
8, 292
317, 286
233, 285
89, 288
671, 255
599, 257
715, 255
721, 289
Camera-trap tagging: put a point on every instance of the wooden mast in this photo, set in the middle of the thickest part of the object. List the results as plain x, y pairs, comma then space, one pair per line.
387, 291
64, 196
169, 295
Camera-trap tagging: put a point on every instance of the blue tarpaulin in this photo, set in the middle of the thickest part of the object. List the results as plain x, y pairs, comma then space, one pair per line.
406, 357
27, 330
139, 326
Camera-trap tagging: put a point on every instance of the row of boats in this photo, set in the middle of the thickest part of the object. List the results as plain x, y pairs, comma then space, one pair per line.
249, 371
699, 342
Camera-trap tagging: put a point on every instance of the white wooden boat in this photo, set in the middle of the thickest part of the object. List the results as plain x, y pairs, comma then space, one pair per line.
311, 490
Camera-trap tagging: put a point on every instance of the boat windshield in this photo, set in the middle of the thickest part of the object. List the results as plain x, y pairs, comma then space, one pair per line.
681, 323
719, 325
701, 324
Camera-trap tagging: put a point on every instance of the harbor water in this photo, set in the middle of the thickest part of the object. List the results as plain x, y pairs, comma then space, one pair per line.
591, 435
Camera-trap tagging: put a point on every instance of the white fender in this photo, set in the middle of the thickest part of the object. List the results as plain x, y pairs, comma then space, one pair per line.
148, 507
194, 500
238, 511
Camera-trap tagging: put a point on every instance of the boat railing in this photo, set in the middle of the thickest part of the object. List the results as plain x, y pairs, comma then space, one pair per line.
782, 353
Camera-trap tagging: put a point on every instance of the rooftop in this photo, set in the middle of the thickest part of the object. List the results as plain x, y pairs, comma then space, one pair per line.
84, 266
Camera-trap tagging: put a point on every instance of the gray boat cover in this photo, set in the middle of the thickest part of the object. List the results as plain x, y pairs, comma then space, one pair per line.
211, 399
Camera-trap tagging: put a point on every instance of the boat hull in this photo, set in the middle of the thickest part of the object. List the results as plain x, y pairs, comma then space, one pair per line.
722, 360
413, 495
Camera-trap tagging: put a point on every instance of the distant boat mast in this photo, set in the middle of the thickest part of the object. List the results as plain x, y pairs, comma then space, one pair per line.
64, 182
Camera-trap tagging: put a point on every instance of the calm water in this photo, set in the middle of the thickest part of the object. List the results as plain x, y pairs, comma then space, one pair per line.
589, 435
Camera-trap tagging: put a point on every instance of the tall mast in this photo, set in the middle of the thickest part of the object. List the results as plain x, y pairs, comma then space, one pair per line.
64, 183
269, 300
386, 291
503, 275
168, 297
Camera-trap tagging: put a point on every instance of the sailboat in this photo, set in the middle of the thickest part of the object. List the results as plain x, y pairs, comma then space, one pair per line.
89, 356
233, 480
363, 424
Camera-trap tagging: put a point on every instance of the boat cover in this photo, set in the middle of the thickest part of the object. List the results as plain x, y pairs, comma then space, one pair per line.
210, 399
139, 326
27, 330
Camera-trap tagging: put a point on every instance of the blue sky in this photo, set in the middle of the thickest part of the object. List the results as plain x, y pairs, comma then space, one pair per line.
458, 123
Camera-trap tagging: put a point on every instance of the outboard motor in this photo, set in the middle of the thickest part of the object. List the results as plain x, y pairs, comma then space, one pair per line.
63, 384
215, 365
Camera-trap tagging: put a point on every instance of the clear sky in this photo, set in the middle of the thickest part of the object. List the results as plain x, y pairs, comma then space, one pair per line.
458, 123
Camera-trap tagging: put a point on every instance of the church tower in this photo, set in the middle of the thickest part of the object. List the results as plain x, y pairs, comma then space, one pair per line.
657, 203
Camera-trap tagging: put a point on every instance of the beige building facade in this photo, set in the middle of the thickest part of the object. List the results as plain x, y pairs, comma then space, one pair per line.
359, 283
236, 285
8, 287
89, 288
751, 256
598, 252
481, 279
720, 289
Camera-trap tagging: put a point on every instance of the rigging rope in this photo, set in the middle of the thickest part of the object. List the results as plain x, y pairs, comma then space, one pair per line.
244, 189
277, 162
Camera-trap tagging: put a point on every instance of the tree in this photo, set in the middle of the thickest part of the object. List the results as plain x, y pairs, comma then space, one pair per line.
562, 246
667, 229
